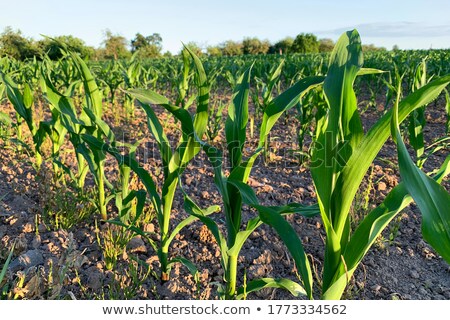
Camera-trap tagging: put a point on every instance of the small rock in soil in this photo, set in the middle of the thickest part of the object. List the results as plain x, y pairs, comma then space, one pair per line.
36, 243
28, 259
375, 288
382, 186
136, 245
414, 274
446, 294
149, 227
205, 194
423, 292
95, 278
28, 228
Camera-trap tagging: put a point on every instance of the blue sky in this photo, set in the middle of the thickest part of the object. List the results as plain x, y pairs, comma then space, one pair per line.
409, 24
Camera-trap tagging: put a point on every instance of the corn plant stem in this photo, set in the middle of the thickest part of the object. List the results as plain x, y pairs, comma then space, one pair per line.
101, 192
231, 276
38, 157
167, 209
81, 170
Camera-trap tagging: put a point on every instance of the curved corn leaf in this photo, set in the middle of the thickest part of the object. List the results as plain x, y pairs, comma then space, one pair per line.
195, 211
187, 221
8, 260
292, 242
337, 135
284, 102
358, 164
188, 264
255, 285
201, 114
236, 123
431, 198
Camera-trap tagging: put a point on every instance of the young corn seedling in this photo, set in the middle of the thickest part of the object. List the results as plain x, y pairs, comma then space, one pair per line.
417, 117
77, 125
233, 188
22, 100
266, 91
341, 156
174, 162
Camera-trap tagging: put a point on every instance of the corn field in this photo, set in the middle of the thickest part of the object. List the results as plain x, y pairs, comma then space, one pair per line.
275, 177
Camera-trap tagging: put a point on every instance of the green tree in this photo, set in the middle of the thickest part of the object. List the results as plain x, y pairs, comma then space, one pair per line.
326, 45
14, 45
214, 51
115, 46
75, 44
148, 47
305, 43
372, 47
283, 46
231, 48
255, 46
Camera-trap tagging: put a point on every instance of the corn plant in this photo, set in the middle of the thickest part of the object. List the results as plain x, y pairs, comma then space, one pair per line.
215, 120
341, 156
174, 162
5, 269
22, 100
417, 117
233, 188
77, 125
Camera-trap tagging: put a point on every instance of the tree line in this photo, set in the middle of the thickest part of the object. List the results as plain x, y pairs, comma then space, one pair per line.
114, 46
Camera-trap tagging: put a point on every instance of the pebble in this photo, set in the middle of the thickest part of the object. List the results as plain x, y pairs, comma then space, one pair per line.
382, 186
423, 292
26, 260
36, 243
28, 228
136, 245
95, 278
149, 227
375, 288
205, 195
414, 274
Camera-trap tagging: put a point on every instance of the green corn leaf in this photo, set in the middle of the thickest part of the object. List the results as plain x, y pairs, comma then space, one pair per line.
201, 115
358, 164
17, 99
298, 208
5, 119
5, 266
195, 211
370, 228
369, 71
255, 285
236, 123
431, 198
187, 221
188, 264
415, 127
337, 135
292, 242
284, 102
131, 162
